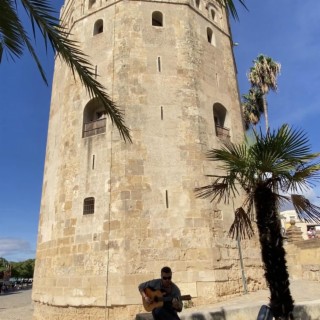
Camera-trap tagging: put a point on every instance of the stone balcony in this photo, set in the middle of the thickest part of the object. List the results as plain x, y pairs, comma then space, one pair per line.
94, 127
223, 133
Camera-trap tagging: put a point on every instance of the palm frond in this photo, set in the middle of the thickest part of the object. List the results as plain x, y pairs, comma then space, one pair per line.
295, 143
306, 211
302, 179
41, 14
282, 151
241, 226
263, 74
219, 190
249, 205
232, 157
282, 200
231, 8
10, 31
252, 107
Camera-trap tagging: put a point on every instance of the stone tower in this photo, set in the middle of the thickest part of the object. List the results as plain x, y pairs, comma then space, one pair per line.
113, 213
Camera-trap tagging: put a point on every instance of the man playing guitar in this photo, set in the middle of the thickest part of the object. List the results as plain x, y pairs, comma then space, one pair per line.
166, 302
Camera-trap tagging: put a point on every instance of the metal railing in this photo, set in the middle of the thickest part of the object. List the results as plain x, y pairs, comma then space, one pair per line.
94, 127
223, 133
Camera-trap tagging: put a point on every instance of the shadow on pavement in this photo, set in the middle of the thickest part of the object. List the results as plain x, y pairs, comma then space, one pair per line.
301, 313
218, 315
15, 291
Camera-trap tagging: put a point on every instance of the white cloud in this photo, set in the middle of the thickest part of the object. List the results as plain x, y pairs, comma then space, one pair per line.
14, 249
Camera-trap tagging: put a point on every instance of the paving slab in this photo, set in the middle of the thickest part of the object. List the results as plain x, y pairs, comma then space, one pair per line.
306, 295
18, 305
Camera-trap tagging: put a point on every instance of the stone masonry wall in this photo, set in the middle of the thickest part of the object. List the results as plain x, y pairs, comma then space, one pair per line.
303, 259
167, 81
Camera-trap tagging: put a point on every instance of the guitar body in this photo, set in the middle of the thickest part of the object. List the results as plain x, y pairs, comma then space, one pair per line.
158, 298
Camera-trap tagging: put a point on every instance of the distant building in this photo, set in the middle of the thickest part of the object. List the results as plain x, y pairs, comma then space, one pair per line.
5, 270
288, 215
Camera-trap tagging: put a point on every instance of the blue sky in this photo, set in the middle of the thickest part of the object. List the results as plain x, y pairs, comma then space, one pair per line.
285, 30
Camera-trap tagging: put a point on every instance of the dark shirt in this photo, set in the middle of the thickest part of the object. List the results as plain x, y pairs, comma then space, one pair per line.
156, 284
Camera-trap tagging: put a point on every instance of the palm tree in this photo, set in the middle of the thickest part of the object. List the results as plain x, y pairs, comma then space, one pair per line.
231, 8
13, 38
263, 77
281, 161
252, 107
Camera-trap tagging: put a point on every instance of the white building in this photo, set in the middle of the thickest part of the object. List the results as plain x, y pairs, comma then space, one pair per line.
288, 215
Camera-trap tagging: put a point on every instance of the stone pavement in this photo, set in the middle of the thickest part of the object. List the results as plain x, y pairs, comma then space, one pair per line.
246, 307
18, 306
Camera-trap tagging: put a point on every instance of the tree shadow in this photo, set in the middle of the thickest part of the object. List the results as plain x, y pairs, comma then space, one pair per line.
301, 313
9, 292
197, 316
217, 315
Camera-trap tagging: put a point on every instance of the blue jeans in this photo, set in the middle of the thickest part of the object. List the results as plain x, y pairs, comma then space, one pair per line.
165, 314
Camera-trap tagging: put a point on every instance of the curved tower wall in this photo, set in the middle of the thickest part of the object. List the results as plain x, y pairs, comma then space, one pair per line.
168, 80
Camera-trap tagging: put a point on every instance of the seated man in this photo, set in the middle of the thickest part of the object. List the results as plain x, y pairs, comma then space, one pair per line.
172, 297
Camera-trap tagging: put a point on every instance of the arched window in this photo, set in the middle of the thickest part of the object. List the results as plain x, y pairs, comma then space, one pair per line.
212, 14
88, 205
94, 119
220, 121
197, 4
91, 3
211, 37
98, 27
157, 19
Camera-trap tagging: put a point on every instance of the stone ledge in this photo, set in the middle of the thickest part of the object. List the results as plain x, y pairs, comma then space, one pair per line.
144, 316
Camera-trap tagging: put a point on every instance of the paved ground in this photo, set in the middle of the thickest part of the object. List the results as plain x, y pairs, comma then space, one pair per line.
305, 293
17, 305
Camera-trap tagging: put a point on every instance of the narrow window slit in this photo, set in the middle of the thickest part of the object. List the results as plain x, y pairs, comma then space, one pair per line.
93, 161
167, 199
159, 64
161, 113
209, 35
96, 71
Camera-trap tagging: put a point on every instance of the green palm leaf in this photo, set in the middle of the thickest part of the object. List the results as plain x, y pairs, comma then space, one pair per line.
13, 37
252, 107
10, 29
241, 226
231, 8
263, 78
280, 159
306, 211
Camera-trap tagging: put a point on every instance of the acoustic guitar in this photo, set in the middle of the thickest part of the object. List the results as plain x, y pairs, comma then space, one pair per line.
158, 298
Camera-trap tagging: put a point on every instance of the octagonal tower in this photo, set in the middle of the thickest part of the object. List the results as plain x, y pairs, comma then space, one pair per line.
113, 213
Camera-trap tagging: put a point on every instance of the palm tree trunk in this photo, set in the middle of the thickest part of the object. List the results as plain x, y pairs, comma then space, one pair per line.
273, 253
265, 111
